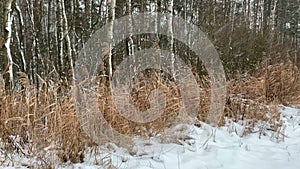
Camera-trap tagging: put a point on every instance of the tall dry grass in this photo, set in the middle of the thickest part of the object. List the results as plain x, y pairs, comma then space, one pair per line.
42, 125
255, 98
140, 98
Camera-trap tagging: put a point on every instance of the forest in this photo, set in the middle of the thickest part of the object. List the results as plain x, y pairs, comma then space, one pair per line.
41, 41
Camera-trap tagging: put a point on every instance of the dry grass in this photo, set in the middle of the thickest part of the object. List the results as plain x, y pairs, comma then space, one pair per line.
45, 120
255, 98
140, 98
46, 124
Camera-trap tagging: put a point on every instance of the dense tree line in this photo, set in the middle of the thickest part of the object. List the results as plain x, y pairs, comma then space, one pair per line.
44, 37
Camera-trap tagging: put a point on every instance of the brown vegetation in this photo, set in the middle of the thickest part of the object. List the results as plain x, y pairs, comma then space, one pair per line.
47, 118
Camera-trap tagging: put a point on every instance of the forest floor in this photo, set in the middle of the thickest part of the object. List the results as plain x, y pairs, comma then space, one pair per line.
224, 148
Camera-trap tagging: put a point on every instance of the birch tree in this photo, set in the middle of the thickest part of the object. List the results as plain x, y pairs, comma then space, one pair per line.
67, 38
111, 19
88, 13
7, 36
130, 44
60, 35
171, 39
35, 52
21, 37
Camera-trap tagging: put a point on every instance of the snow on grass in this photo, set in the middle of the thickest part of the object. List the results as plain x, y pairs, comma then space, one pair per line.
224, 150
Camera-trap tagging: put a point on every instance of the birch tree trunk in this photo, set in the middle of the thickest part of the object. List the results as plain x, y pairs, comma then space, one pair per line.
273, 16
74, 40
255, 11
20, 38
272, 34
67, 38
8, 19
60, 35
157, 29
157, 19
130, 41
88, 13
111, 19
49, 33
35, 48
233, 10
171, 39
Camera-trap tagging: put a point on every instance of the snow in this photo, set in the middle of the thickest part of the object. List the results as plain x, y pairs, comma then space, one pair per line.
224, 149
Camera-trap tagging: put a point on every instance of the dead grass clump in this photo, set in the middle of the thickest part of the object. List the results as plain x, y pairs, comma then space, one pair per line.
246, 105
140, 98
251, 97
283, 83
44, 121
248, 87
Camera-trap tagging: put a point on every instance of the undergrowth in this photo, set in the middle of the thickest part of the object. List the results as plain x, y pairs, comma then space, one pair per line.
42, 124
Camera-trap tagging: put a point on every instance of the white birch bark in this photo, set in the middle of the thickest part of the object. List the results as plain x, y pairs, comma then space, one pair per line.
170, 30
88, 10
67, 38
60, 32
73, 34
157, 27
273, 15
8, 32
36, 54
156, 18
233, 7
273, 22
130, 42
20, 38
131, 47
110, 34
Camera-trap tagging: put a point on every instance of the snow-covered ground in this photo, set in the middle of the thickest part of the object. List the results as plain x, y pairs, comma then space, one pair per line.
223, 150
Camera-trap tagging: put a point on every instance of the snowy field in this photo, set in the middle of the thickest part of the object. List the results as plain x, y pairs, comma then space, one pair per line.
224, 149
